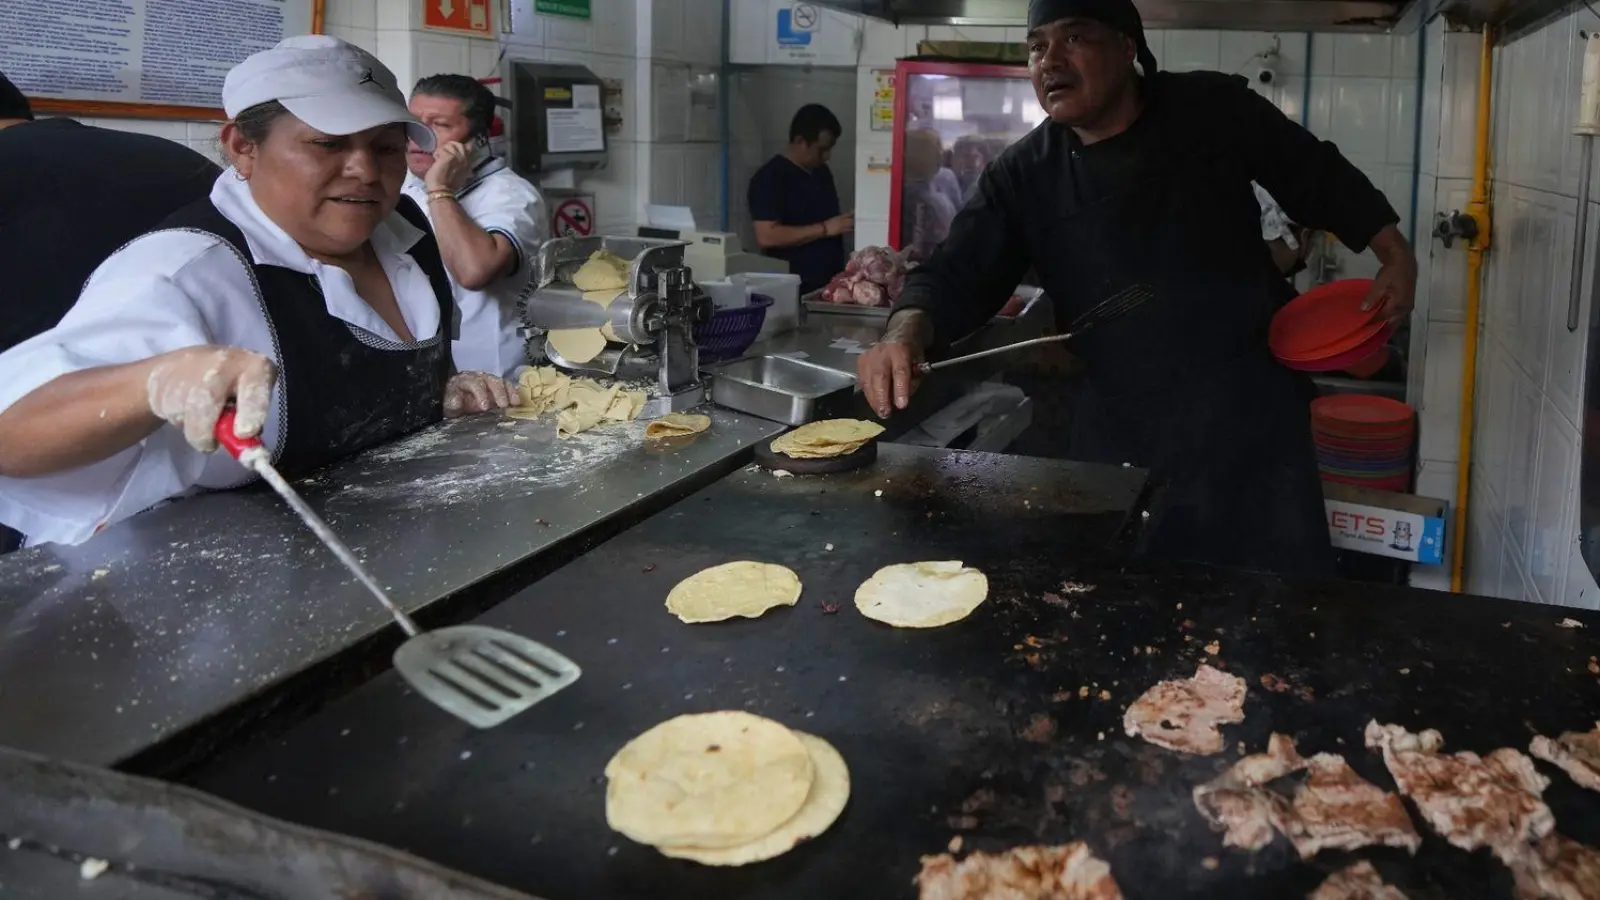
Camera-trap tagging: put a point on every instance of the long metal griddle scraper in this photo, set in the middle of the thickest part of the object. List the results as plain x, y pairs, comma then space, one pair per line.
480, 675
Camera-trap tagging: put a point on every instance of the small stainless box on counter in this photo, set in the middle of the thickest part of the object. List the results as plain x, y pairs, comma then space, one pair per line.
782, 389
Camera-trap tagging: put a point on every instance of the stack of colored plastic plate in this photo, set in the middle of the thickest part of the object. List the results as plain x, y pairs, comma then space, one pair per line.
1326, 330
1364, 440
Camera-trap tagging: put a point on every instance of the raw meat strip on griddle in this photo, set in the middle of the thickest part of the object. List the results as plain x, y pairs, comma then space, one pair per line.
1359, 881
1031, 872
1183, 715
1576, 752
1471, 801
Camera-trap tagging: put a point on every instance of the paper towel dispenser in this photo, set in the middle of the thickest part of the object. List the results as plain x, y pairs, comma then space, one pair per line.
557, 118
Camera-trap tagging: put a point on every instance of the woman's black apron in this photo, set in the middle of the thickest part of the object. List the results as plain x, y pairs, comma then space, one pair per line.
345, 389
1185, 385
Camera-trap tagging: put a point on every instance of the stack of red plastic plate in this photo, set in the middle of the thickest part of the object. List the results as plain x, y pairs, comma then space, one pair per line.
1326, 330
1364, 440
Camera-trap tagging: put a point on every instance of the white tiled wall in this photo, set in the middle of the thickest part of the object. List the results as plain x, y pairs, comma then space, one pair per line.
1523, 532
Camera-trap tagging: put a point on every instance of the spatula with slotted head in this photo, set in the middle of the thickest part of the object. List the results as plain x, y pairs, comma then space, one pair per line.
481, 675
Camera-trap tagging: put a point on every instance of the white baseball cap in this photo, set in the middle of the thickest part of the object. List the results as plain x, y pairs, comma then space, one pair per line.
331, 85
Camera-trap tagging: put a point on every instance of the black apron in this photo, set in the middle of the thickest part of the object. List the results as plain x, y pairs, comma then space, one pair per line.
345, 389
1185, 385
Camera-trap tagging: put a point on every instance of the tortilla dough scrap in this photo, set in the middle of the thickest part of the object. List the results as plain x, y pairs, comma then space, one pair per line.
1471, 801
603, 300
541, 390
577, 345
1359, 881
1183, 715
1030, 872
602, 271
827, 438
742, 588
677, 425
709, 780
1576, 752
830, 791
922, 594
579, 403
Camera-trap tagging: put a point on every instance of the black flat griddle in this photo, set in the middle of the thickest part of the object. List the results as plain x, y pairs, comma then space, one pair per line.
977, 729
771, 460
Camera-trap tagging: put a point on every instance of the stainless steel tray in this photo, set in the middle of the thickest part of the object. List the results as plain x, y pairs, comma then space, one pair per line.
791, 391
814, 304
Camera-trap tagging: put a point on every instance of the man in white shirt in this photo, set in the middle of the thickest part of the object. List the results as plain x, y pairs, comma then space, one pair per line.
489, 222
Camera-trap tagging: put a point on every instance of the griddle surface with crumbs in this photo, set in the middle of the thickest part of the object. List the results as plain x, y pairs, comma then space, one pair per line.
994, 728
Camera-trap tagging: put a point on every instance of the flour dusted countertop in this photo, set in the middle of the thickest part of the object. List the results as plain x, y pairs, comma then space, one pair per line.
164, 621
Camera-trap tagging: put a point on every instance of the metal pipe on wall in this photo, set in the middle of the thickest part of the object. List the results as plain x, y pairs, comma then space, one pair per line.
1478, 207
1586, 127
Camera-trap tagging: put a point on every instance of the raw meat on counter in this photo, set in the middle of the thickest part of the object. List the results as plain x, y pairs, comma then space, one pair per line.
872, 277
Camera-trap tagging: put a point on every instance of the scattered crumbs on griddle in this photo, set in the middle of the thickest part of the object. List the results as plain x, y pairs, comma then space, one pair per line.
955, 844
1569, 623
1105, 694
1213, 648
1210, 864
1405, 671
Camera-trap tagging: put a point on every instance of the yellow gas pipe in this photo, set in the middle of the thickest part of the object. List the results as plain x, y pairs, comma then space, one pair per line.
1478, 209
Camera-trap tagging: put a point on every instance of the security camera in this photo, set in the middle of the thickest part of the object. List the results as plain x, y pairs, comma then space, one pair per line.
1266, 68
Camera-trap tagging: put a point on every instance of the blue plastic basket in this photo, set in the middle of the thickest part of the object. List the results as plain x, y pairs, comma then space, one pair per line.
731, 331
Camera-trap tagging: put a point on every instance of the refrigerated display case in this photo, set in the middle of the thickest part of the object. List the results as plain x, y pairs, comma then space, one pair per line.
950, 119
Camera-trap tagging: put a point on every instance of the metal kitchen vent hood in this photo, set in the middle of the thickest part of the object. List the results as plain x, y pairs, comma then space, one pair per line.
1246, 15
1510, 16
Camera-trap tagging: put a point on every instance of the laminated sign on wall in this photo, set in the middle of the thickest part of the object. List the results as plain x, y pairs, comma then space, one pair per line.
574, 119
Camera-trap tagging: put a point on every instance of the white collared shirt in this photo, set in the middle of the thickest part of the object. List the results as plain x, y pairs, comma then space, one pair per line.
500, 202
163, 292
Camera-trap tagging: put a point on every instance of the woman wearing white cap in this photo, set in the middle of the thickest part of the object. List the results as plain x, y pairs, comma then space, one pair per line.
299, 291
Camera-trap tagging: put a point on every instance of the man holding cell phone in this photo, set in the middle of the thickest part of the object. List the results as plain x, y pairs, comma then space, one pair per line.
489, 221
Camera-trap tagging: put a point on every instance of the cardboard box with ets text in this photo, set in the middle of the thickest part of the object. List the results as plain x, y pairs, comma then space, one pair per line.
1400, 526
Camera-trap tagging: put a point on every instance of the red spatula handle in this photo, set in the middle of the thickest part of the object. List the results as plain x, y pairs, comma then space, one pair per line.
235, 445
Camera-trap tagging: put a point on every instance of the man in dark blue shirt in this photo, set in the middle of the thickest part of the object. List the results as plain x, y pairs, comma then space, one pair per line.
795, 205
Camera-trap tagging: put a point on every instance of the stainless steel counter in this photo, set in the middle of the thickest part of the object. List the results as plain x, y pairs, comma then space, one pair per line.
172, 616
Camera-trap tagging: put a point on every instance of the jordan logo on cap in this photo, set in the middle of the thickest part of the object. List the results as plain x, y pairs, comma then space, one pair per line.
367, 79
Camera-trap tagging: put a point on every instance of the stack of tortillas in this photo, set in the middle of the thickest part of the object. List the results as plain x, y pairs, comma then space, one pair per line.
725, 788
922, 594
742, 588
825, 439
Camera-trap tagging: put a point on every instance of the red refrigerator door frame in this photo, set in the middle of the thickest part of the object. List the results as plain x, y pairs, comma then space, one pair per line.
903, 68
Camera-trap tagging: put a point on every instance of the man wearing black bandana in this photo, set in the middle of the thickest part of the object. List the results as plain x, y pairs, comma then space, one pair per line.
1144, 177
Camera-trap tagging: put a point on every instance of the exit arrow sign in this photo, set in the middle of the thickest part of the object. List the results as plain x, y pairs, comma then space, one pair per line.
474, 18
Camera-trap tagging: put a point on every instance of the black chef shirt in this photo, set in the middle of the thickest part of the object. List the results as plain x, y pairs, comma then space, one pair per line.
1200, 140
70, 195
782, 191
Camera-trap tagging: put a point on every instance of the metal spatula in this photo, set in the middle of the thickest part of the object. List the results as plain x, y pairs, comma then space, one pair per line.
480, 675
1113, 307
